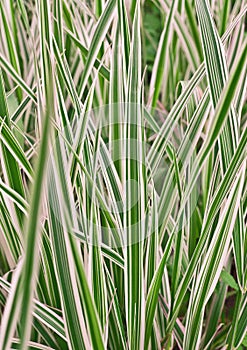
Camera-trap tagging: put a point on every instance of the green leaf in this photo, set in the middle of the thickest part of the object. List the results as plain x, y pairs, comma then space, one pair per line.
229, 280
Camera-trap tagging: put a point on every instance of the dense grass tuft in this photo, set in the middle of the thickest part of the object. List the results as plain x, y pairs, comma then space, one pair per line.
123, 185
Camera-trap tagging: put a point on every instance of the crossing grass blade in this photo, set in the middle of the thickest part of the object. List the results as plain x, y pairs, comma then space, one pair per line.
207, 277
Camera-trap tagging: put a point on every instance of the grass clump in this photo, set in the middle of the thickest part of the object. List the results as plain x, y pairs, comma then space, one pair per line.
123, 174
